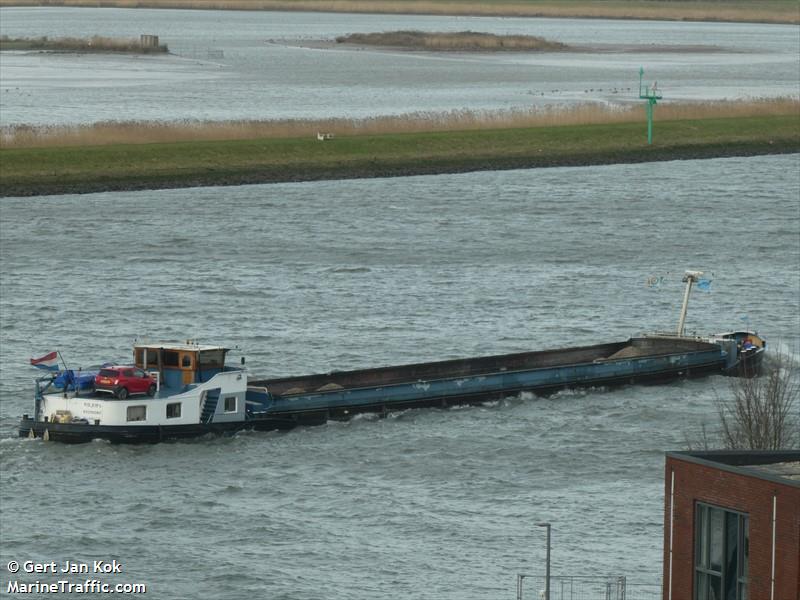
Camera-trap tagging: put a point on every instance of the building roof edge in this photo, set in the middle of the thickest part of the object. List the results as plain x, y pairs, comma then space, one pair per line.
738, 461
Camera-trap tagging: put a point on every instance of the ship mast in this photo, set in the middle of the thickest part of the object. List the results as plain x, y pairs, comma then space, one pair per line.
689, 278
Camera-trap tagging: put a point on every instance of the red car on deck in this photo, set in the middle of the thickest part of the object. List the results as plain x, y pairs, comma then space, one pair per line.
124, 381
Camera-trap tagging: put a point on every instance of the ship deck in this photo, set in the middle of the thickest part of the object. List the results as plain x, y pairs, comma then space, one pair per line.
471, 367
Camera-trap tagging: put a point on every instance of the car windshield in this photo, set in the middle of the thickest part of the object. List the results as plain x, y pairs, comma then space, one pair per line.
108, 373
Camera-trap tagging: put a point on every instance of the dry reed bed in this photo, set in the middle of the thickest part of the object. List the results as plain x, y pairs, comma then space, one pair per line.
763, 11
148, 132
95, 43
460, 40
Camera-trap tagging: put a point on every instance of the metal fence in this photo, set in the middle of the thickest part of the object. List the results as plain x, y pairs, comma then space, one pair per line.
567, 587
643, 591
198, 53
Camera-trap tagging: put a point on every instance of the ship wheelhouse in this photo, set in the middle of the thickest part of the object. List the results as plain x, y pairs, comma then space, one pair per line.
180, 365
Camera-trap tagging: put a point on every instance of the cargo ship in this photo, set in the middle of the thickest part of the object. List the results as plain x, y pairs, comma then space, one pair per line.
188, 389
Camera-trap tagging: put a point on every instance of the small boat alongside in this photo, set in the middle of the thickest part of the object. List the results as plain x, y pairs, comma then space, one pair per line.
188, 390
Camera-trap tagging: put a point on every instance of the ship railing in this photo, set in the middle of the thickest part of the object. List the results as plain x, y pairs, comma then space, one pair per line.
672, 335
43, 384
155, 374
253, 404
259, 389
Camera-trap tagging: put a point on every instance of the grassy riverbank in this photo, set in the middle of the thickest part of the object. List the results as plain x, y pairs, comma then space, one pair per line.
95, 43
763, 11
36, 171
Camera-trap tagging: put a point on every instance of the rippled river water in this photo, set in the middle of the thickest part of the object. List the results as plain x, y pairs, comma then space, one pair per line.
310, 277
252, 65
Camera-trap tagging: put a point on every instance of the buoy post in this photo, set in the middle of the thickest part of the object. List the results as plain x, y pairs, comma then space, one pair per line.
652, 96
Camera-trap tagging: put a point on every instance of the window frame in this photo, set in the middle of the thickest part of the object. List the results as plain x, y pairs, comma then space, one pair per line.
137, 406
225, 404
703, 568
179, 410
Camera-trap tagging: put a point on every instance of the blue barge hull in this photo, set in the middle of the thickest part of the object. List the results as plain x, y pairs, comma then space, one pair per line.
339, 395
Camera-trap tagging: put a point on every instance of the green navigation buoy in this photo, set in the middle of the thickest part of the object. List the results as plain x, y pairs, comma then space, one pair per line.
652, 96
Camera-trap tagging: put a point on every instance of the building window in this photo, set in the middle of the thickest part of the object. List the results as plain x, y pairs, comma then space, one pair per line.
137, 413
722, 551
173, 410
230, 403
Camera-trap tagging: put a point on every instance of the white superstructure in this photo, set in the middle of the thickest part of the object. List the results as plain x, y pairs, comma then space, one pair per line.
194, 387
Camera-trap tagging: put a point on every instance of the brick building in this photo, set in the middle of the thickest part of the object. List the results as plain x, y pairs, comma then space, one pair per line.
732, 525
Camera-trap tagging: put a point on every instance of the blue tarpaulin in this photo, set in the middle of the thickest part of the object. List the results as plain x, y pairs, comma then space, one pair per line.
84, 379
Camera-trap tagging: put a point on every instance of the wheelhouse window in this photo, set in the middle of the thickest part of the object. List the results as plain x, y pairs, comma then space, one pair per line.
212, 359
722, 552
170, 358
173, 410
230, 403
186, 361
152, 357
137, 413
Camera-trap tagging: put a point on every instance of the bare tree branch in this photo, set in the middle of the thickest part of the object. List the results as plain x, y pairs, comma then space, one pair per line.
764, 411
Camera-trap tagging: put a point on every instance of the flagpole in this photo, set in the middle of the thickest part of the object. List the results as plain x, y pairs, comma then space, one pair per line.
66, 368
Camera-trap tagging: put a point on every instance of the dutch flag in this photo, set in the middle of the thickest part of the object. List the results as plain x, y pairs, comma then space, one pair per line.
48, 362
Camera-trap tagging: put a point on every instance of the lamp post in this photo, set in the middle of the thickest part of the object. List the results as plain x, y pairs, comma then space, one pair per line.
547, 571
